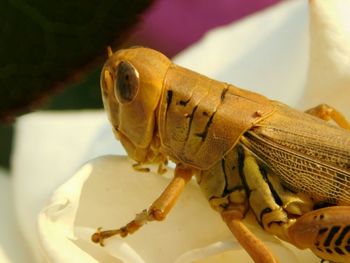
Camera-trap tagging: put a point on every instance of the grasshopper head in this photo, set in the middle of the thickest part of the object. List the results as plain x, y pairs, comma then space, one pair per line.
131, 85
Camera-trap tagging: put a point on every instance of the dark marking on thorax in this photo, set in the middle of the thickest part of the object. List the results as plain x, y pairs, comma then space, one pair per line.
190, 116
169, 98
204, 133
183, 102
223, 94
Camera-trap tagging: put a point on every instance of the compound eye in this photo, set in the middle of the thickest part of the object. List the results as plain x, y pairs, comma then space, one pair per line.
126, 83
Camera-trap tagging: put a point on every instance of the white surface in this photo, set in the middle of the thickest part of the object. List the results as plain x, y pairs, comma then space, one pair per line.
48, 149
267, 53
12, 247
329, 69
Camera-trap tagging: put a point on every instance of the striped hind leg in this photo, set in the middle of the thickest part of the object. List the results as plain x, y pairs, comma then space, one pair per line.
325, 231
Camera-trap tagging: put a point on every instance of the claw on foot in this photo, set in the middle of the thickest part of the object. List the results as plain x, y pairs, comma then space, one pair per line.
99, 236
140, 219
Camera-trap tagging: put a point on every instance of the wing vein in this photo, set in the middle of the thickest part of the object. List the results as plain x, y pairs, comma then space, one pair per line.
299, 171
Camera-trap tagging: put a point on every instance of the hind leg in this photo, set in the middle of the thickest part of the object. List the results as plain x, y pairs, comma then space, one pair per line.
326, 112
325, 231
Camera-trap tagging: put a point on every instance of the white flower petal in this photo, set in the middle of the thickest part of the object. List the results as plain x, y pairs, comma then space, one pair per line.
108, 192
48, 148
12, 245
329, 68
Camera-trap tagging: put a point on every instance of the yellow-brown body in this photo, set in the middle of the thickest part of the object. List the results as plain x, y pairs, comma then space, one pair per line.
247, 151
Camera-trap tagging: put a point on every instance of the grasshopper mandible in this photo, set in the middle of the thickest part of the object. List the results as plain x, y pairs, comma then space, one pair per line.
290, 168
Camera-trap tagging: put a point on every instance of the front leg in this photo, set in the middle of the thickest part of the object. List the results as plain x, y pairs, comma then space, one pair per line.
325, 231
157, 211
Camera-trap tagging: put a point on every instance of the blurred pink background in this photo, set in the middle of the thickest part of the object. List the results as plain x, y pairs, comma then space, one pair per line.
171, 25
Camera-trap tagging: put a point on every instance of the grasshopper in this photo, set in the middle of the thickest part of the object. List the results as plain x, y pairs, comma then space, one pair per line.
291, 169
